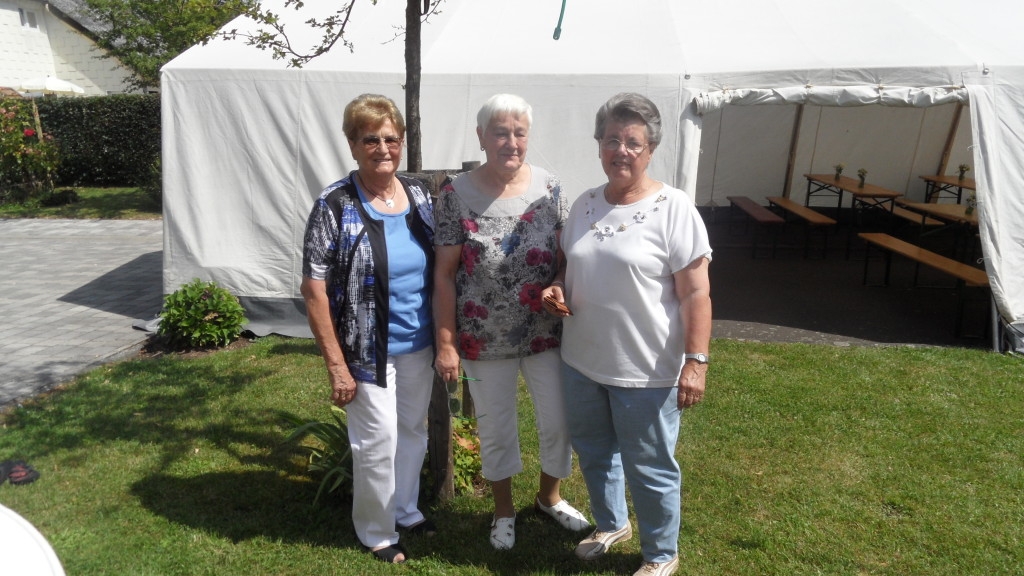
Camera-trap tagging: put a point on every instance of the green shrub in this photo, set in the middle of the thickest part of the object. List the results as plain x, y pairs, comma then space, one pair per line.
200, 315
104, 140
333, 455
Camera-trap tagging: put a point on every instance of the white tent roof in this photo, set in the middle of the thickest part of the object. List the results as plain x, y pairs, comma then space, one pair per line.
249, 142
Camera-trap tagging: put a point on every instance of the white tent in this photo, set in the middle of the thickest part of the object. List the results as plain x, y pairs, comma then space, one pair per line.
249, 142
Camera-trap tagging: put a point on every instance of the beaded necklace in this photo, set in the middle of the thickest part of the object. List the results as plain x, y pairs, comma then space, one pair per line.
602, 231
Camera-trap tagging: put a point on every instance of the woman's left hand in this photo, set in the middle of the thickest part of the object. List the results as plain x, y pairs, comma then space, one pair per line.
691, 384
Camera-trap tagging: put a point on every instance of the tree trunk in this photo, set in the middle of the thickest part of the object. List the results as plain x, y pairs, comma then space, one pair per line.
412, 82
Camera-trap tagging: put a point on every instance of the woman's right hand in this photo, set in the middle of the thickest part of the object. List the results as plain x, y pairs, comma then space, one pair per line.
343, 388
447, 363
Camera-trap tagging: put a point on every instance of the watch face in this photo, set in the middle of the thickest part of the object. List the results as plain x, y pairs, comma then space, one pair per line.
699, 357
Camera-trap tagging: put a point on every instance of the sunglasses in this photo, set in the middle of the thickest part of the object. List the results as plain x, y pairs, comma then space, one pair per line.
373, 142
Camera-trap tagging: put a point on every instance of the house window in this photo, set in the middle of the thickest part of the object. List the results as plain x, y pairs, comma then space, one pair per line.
28, 19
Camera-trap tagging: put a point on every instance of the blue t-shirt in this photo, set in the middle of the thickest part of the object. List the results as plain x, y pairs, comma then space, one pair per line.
409, 320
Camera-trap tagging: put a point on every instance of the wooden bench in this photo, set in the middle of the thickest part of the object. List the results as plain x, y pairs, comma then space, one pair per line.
764, 218
810, 217
965, 274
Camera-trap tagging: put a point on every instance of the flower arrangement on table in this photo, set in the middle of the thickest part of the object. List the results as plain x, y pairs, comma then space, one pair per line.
964, 169
972, 203
839, 169
861, 173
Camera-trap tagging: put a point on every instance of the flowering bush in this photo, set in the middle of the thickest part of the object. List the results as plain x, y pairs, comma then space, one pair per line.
27, 159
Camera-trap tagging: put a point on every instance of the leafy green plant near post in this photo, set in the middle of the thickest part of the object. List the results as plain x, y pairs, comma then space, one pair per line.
200, 315
333, 456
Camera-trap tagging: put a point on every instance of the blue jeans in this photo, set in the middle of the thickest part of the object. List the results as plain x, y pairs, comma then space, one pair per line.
628, 435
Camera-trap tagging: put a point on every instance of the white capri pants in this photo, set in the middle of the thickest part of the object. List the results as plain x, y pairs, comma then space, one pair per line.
387, 430
494, 395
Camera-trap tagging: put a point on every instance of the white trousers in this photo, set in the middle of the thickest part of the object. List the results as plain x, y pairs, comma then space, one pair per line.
387, 429
494, 395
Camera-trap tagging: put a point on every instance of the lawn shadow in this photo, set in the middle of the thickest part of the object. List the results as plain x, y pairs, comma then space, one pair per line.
245, 505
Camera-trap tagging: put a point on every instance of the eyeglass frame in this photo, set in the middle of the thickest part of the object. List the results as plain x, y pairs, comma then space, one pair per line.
373, 142
604, 145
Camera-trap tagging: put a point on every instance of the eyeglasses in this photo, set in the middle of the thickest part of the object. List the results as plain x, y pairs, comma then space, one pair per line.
373, 142
612, 145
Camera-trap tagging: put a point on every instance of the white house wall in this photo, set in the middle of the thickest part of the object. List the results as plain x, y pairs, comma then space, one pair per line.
54, 48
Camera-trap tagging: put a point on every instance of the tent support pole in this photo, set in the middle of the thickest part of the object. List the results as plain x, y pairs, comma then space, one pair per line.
948, 148
794, 139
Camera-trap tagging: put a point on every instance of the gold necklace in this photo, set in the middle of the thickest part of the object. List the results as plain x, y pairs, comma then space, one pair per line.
602, 231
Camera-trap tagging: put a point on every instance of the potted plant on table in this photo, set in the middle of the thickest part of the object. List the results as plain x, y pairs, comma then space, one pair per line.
861, 173
839, 169
963, 169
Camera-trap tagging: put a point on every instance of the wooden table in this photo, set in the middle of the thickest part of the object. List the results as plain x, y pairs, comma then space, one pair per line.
964, 225
866, 196
949, 212
938, 186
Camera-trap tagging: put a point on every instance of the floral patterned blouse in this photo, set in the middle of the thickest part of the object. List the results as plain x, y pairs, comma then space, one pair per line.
509, 254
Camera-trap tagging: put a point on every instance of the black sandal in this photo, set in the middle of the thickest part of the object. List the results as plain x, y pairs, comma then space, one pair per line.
422, 528
390, 554
18, 472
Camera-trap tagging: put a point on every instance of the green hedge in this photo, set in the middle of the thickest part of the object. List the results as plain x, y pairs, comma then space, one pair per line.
104, 140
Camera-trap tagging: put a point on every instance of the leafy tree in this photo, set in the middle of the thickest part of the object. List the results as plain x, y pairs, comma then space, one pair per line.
146, 35
275, 38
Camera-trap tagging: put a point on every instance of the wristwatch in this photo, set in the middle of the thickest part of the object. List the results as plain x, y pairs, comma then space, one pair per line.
700, 357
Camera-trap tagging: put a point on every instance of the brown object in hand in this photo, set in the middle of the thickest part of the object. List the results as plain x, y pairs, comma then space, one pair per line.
557, 305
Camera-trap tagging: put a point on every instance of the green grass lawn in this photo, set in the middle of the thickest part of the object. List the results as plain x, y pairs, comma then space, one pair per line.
94, 203
802, 460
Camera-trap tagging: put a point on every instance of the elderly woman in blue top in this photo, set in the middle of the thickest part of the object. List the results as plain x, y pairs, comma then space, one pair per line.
367, 266
635, 348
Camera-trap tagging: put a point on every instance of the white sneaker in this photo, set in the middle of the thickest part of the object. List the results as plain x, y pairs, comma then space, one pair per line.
503, 533
656, 569
594, 546
569, 517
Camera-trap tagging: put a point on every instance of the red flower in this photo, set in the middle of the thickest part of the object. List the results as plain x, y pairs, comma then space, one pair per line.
470, 346
536, 257
469, 225
470, 255
540, 344
471, 310
529, 295
529, 216
29, 132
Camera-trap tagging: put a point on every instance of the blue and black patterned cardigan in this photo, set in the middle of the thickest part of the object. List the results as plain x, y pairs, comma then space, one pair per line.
346, 248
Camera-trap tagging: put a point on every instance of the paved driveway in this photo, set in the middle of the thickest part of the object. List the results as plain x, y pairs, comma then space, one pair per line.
69, 292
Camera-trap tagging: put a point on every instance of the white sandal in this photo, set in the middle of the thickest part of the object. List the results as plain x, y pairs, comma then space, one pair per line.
503, 533
569, 517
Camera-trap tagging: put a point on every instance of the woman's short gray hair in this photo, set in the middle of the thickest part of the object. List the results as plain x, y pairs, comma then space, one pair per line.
628, 106
501, 104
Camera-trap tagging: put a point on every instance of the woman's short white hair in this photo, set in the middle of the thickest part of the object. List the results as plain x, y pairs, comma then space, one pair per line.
503, 104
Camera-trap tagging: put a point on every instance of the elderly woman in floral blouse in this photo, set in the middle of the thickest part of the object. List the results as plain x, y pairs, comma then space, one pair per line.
496, 249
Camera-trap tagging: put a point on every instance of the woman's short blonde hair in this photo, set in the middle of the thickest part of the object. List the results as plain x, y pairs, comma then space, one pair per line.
370, 111
502, 104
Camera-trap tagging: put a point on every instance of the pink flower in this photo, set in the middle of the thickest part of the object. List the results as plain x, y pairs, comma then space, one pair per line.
529, 216
529, 295
469, 225
29, 132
